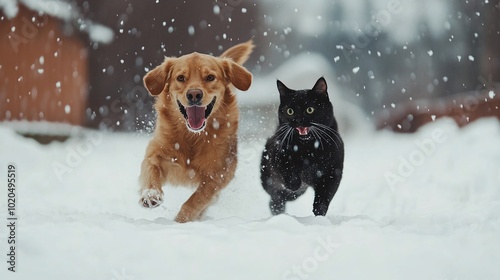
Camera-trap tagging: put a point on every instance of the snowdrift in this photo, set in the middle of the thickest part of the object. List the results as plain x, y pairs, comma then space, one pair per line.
439, 219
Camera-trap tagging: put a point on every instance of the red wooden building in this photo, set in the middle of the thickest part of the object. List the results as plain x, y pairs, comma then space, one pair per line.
43, 61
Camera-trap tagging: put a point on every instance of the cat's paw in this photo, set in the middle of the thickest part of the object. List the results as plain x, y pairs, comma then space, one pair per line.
277, 207
151, 198
320, 210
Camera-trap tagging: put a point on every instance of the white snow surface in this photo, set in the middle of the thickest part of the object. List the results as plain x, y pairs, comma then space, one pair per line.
440, 222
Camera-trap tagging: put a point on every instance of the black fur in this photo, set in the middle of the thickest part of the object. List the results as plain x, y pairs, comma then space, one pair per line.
291, 162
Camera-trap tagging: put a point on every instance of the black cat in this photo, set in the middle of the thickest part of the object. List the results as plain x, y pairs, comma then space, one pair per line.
306, 149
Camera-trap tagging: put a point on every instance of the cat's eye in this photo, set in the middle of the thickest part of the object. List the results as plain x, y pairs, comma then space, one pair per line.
181, 78
310, 110
289, 111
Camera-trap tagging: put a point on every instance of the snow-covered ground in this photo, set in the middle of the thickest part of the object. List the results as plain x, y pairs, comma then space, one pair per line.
437, 217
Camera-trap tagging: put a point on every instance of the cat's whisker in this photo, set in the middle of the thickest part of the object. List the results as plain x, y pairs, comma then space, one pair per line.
282, 128
336, 133
322, 130
328, 135
324, 135
286, 138
280, 132
317, 136
289, 136
281, 138
285, 135
325, 127
333, 131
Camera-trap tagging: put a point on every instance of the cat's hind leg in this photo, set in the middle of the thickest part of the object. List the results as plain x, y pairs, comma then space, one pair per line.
279, 198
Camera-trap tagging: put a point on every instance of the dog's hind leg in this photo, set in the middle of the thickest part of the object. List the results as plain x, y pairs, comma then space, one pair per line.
193, 208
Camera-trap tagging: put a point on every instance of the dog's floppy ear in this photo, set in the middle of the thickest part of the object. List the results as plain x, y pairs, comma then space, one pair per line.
237, 74
239, 53
156, 79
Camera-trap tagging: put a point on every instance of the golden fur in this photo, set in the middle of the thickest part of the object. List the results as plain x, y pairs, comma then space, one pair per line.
205, 158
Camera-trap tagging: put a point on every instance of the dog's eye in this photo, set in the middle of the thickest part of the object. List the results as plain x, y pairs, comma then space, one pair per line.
181, 78
289, 111
210, 78
310, 110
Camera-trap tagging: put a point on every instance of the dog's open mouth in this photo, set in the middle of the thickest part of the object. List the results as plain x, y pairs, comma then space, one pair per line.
196, 116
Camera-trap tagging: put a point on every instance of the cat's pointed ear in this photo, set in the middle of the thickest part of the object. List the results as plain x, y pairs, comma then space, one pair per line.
320, 86
282, 88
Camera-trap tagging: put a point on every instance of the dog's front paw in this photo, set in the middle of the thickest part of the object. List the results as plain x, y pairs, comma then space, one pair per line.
151, 198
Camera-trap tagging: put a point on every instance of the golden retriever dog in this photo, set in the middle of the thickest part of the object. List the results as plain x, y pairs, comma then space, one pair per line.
195, 138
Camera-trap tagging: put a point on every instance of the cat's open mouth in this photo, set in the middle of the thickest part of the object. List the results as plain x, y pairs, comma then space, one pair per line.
196, 116
303, 132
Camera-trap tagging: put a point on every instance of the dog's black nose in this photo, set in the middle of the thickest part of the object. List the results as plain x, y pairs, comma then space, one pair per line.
194, 96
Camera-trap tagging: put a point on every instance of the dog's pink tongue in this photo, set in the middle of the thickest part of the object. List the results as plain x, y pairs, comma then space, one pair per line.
196, 116
302, 130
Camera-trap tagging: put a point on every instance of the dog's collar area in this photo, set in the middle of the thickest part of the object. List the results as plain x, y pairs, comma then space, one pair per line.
196, 116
